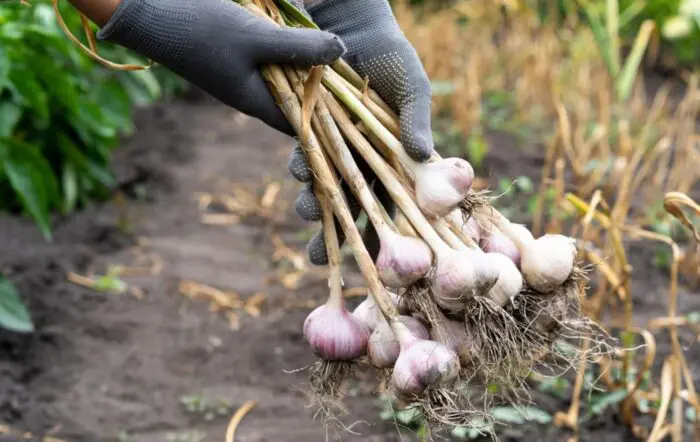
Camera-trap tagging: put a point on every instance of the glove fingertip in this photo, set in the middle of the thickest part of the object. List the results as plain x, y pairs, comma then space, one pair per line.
308, 206
298, 166
417, 146
316, 250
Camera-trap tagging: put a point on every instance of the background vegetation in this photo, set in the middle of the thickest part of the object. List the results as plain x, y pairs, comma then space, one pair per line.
61, 115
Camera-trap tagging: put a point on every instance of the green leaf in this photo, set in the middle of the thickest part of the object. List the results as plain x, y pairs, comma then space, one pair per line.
115, 104
690, 414
477, 148
408, 416
520, 415
27, 88
142, 86
629, 71
476, 430
525, 184
13, 314
10, 114
4, 67
32, 178
599, 402
110, 284
556, 385
70, 188
78, 158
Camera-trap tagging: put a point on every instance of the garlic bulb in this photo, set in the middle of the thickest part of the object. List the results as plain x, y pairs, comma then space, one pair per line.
334, 334
510, 281
368, 313
548, 261
402, 260
496, 242
461, 275
545, 262
470, 227
421, 363
383, 347
454, 336
442, 185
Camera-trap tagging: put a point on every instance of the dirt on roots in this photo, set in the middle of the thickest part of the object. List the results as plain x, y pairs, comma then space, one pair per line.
107, 367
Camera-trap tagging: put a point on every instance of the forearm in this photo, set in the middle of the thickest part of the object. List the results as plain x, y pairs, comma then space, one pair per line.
98, 11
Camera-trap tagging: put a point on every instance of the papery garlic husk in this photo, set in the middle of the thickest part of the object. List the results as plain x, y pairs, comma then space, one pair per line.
497, 242
547, 262
442, 185
454, 336
334, 334
510, 281
383, 347
402, 260
470, 227
424, 364
461, 275
367, 312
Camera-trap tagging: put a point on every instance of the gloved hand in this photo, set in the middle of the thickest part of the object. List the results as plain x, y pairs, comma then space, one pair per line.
377, 50
219, 46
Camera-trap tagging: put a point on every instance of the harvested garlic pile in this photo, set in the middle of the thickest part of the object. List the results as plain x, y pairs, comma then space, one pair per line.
478, 297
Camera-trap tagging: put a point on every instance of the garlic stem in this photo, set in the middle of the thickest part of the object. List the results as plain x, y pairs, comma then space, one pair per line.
402, 260
372, 124
506, 227
388, 177
291, 107
335, 278
449, 236
388, 120
340, 155
348, 74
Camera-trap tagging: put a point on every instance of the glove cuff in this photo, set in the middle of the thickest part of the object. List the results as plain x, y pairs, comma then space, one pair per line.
157, 29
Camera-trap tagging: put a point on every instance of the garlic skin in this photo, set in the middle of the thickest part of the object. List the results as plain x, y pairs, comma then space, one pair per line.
461, 275
548, 261
402, 260
383, 348
423, 364
454, 280
510, 281
368, 314
453, 335
497, 242
471, 227
334, 334
442, 185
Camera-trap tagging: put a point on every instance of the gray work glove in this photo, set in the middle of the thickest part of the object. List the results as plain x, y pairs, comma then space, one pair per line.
219, 46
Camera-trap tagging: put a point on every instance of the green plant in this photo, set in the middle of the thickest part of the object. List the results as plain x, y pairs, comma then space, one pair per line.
60, 113
201, 405
13, 314
607, 20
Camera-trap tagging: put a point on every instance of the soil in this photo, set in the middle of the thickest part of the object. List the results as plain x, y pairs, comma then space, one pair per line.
109, 367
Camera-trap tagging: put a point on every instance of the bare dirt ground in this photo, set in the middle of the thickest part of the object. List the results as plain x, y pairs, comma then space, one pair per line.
108, 367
